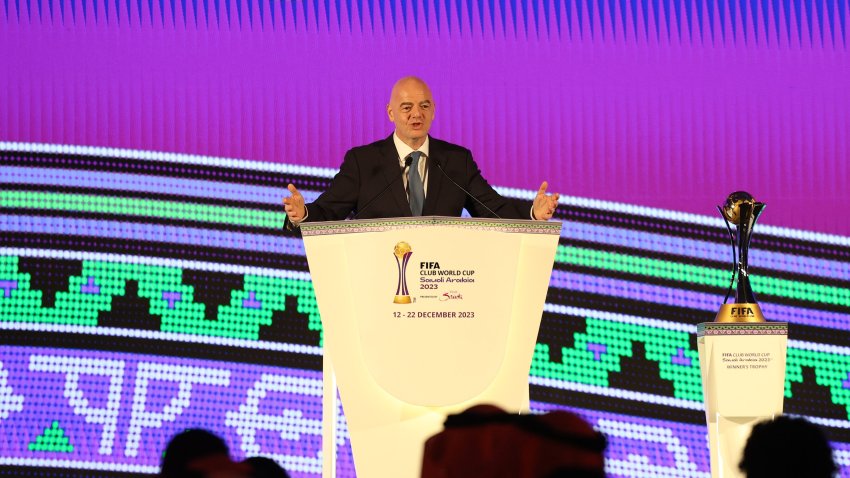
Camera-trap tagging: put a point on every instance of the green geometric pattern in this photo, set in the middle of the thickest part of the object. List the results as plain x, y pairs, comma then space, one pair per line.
579, 366
831, 371
76, 307
174, 210
53, 439
569, 255
706, 276
236, 321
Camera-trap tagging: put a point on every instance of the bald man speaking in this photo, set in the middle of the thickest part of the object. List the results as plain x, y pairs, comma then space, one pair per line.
411, 174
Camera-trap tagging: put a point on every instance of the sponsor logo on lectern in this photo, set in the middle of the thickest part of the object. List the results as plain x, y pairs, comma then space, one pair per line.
451, 295
402, 253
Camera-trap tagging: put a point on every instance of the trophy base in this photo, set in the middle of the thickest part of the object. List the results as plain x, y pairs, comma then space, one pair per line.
402, 299
739, 313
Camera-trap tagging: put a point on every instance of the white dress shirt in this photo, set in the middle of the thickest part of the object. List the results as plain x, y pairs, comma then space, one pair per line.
404, 151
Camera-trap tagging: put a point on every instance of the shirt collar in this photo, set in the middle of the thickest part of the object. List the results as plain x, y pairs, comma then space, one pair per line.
404, 150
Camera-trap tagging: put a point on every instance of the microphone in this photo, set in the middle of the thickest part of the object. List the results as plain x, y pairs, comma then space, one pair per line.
440, 167
407, 162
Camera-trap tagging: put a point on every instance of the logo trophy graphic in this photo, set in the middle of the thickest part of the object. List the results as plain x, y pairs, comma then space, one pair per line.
402, 253
742, 211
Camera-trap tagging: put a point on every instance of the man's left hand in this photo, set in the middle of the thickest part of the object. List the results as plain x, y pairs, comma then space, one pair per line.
544, 204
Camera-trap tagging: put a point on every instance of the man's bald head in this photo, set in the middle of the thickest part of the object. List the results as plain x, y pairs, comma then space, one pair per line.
406, 83
411, 108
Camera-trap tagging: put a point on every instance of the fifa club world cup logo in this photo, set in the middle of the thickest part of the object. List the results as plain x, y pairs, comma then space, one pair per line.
402, 253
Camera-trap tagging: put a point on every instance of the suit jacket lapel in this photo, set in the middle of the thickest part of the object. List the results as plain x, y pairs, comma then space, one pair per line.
389, 161
435, 179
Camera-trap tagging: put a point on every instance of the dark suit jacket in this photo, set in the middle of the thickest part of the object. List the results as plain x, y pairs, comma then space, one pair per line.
367, 170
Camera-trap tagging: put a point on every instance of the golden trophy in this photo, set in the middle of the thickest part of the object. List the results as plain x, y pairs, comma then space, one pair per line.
742, 211
402, 252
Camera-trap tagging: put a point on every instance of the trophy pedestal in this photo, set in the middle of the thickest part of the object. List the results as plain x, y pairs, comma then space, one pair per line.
743, 380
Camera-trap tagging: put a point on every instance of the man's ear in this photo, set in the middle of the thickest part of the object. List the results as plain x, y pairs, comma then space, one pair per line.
390, 113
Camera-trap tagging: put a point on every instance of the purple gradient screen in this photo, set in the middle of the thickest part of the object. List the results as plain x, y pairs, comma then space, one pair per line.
145, 146
670, 104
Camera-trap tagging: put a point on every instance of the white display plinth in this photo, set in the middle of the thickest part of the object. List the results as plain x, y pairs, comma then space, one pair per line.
743, 379
475, 293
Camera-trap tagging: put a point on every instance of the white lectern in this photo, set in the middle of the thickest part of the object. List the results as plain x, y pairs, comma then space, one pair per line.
424, 317
743, 381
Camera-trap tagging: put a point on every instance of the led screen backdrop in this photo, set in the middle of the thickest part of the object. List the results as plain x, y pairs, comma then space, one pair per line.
146, 286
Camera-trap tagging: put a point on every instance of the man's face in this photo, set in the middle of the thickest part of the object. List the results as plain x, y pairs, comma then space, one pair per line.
411, 108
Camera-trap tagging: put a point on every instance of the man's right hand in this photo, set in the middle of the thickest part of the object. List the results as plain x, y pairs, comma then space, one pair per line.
293, 205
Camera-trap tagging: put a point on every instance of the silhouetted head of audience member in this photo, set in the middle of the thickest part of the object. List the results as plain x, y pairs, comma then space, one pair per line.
485, 441
197, 453
265, 468
787, 447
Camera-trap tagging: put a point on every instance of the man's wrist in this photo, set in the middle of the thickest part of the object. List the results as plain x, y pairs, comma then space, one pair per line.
306, 213
297, 223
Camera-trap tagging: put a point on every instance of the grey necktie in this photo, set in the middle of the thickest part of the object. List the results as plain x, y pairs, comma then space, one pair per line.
415, 189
